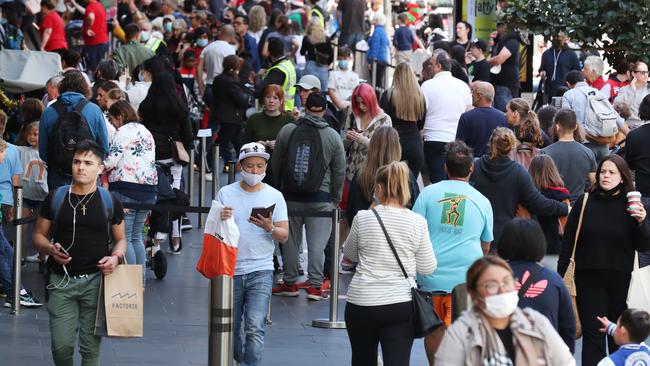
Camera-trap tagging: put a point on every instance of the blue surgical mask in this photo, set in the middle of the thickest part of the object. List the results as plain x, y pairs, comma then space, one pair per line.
201, 42
144, 36
168, 27
344, 64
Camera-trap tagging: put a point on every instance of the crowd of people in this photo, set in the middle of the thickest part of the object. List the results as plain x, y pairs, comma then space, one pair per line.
445, 164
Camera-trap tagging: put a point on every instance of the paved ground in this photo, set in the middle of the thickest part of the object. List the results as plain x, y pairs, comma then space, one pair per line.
176, 325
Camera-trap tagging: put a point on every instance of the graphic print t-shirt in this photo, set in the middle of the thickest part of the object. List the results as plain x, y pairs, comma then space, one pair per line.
459, 217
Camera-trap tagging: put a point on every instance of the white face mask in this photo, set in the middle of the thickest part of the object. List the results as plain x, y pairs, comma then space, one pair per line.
252, 179
501, 305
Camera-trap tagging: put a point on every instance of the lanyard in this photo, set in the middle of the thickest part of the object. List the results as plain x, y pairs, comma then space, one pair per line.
556, 57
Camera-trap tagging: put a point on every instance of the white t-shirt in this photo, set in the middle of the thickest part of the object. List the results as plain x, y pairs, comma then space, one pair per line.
446, 98
343, 82
212, 56
255, 248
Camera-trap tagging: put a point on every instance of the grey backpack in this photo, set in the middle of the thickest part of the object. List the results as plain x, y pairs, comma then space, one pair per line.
600, 116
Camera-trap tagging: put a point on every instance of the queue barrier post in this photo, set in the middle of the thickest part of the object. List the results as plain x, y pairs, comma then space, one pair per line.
333, 322
231, 172
215, 171
18, 252
374, 74
191, 180
202, 179
220, 340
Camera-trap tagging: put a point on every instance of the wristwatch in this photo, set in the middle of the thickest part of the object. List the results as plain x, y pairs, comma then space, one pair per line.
272, 231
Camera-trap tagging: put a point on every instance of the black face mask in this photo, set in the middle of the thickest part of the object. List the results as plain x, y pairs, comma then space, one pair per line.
226, 21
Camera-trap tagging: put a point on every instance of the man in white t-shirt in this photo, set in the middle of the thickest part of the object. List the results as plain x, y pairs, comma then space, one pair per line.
446, 98
212, 58
253, 278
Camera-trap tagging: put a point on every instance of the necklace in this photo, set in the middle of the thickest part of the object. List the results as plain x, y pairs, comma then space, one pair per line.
80, 202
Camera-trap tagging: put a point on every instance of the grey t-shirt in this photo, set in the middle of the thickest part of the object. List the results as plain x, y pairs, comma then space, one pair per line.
574, 162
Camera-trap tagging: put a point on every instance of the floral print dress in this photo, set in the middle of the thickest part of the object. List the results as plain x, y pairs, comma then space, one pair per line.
132, 156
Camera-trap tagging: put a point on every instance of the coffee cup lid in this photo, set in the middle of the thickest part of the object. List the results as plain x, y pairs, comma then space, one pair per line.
634, 193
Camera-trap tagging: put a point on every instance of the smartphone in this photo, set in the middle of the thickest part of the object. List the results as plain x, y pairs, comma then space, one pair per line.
265, 212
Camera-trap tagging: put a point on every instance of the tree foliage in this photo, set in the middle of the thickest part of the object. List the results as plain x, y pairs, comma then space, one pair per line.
618, 27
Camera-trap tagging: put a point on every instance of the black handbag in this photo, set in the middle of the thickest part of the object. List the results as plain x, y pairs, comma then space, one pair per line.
424, 320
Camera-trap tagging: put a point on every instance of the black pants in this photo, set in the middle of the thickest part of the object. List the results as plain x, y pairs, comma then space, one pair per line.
229, 133
388, 325
434, 154
600, 293
413, 153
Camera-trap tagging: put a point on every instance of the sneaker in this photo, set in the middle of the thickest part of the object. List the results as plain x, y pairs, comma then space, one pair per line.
347, 266
326, 284
286, 290
303, 285
316, 294
186, 224
33, 259
26, 300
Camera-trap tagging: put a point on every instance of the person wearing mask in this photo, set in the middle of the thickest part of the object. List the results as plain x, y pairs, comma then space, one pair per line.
132, 175
342, 81
523, 245
557, 61
165, 115
505, 59
637, 150
575, 162
463, 35
610, 233
230, 102
211, 60
633, 94
52, 28
282, 72
95, 34
317, 49
379, 308
476, 126
495, 330
447, 98
459, 219
507, 184
133, 53
404, 104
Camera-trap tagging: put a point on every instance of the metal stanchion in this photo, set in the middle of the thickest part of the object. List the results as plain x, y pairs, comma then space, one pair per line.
215, 171
18, 251
191, 180
202, 180
333, 322
231, 172
374, 74
220, 340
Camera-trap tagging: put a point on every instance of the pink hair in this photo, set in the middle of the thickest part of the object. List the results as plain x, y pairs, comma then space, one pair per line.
367, 94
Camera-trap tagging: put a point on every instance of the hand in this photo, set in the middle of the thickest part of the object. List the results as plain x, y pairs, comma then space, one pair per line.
353, 135
266, 223
295, 112
270, 144
638, 212
226, 213
542, 74
59, 256
604, 322
90, 33
107, 264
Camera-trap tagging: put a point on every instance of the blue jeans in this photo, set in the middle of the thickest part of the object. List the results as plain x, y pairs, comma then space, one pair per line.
252, 293
350, 39
6, 264
319, 71
133, 225
502, 95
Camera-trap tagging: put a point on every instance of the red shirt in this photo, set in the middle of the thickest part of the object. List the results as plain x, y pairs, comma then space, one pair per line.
57, 38
598, 83
98, 27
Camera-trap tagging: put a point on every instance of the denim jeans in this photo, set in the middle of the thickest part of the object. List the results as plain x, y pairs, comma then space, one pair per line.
6, 264
252, 293
502, 95
319, 71
133, 225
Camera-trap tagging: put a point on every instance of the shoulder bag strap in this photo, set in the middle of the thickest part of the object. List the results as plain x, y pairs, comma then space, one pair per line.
533, 271
582, 212
390, 243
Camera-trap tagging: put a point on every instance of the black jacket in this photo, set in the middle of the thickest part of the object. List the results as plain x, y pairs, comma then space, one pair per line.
229, 100
506, 184
166, 119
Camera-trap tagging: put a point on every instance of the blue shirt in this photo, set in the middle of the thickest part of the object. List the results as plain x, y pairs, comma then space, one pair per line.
476, 126
255, 248
576, 100
251, 46
629, 354
459, 217
403, 39
378, 45
10, 167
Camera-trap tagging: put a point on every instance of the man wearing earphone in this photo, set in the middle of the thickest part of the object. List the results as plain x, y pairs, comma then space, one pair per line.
74, 230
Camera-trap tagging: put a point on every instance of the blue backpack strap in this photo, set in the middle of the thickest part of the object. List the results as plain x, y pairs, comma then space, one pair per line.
107, 201
56, 204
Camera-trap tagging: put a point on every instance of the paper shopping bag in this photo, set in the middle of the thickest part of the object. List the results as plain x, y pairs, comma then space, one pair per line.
220, 240
100, 317
123, 299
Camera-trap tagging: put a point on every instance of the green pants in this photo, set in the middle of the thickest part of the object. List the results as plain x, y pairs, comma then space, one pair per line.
73, 309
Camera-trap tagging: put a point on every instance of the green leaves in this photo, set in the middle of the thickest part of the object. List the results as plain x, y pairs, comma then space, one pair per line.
615, 27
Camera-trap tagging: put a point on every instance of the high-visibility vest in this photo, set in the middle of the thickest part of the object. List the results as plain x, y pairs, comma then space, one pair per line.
153, 44
316, 13
289, 85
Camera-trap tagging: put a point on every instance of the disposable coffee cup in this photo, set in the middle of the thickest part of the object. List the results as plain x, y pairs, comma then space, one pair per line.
633, 200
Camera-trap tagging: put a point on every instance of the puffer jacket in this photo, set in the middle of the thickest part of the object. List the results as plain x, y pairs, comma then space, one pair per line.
463, 346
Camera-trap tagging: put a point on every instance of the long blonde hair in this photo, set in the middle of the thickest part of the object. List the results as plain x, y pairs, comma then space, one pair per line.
384, 148
257, 19
315, 33
406, 95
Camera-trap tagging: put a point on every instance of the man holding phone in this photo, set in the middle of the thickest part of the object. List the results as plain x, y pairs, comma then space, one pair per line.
260, 213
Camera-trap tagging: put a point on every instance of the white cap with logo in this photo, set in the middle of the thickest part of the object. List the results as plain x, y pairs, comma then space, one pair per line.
252, 149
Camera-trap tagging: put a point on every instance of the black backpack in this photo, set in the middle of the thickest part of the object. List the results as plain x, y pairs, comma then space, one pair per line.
70, 129
305, 167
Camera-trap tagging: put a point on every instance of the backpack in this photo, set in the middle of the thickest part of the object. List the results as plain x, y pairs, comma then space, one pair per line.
305, 167
70, 129
600, 116
58, 200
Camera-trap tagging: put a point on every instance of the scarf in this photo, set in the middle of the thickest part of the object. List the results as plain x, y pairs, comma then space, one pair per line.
494, 352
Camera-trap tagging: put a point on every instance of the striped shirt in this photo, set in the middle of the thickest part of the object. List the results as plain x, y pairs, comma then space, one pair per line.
378, 279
